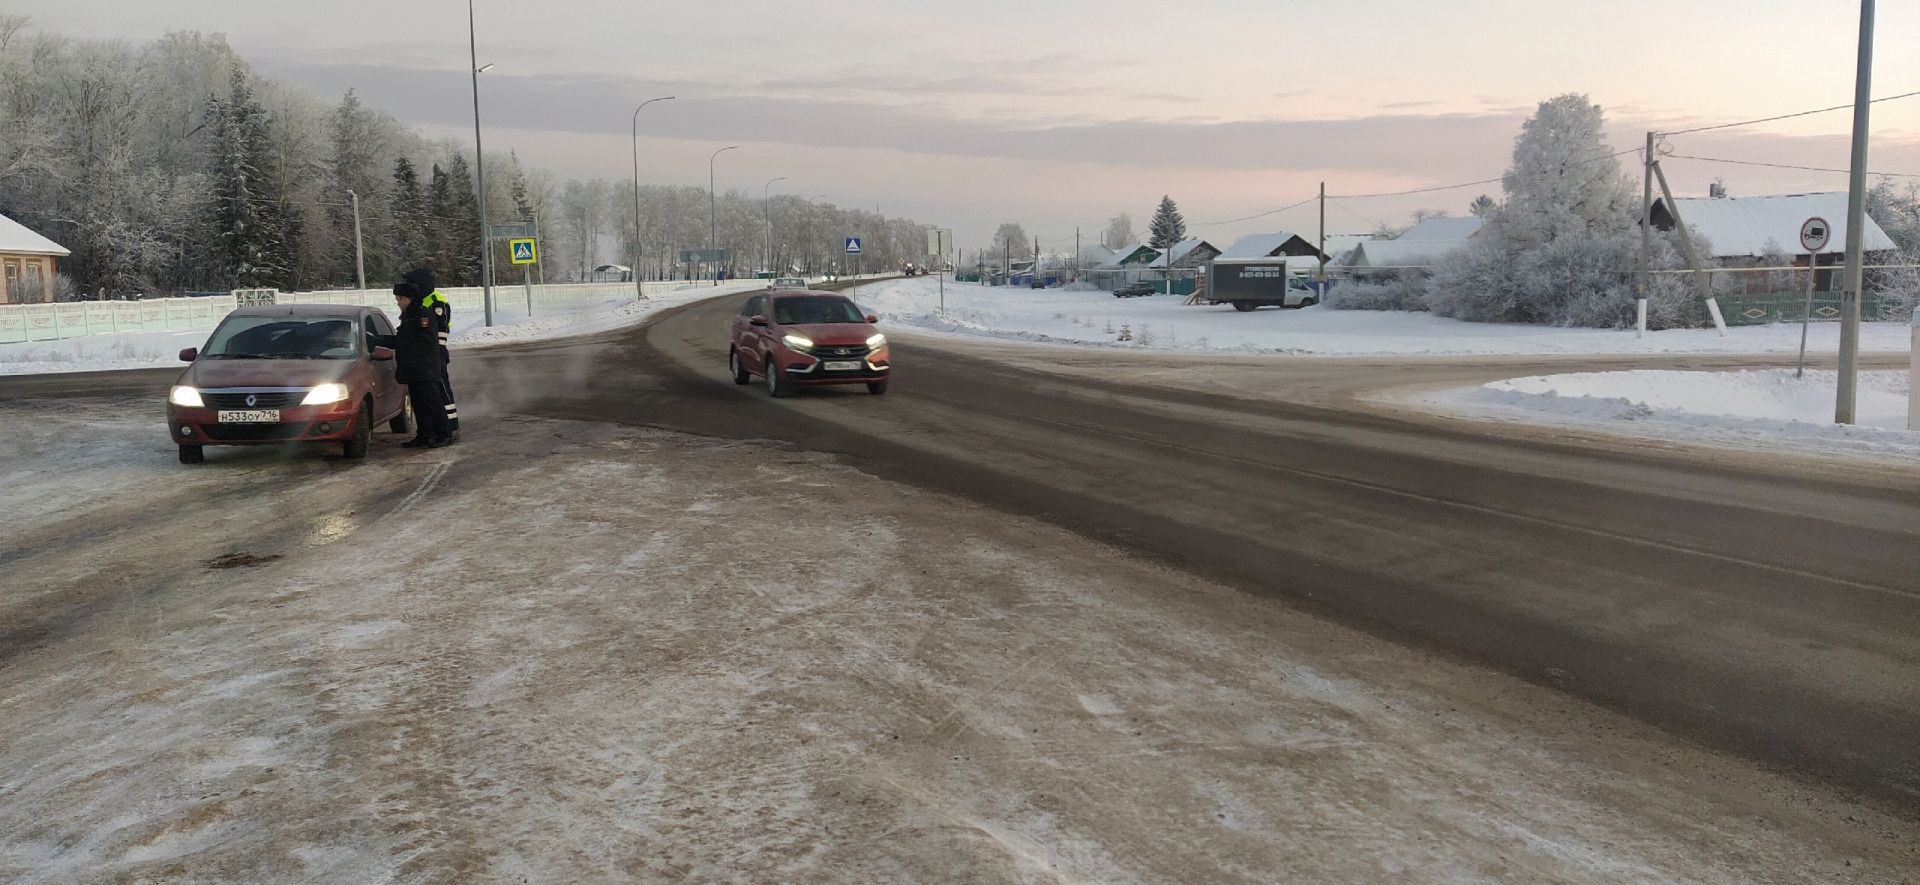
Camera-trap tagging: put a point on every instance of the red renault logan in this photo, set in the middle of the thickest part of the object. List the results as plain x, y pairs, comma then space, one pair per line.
284, 374
797, 338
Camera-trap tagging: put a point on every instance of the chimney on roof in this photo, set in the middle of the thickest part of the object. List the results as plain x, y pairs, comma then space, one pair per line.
1717, 190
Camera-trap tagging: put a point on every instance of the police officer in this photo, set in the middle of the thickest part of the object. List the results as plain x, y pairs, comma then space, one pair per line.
422, 282
417, 364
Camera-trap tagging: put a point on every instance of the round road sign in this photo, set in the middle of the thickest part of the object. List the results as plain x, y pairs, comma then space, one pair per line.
1813, 235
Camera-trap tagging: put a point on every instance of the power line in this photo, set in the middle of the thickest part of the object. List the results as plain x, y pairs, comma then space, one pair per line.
1485, 181
1261, 215
1787, 166
1838, 107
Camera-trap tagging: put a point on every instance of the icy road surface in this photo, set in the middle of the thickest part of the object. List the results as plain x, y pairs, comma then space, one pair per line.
564, 651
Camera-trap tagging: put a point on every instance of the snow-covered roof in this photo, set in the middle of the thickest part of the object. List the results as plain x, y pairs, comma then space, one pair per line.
16, 239
1120, 256
1444, 230
1400, 253
1339, 245
1180, 250
1746, 226
1257, 245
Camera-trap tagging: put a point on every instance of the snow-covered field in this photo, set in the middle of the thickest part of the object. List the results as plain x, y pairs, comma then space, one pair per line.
1761, 408
1162, 323
147, 350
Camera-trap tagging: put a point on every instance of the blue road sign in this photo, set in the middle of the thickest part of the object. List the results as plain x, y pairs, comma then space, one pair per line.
853, 245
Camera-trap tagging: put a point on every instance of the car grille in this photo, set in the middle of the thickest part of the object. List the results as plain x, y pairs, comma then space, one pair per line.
840, 351
260, 400
252, 432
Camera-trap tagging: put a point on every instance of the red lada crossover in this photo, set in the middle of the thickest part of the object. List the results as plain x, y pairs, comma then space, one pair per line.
286, 374
802, 338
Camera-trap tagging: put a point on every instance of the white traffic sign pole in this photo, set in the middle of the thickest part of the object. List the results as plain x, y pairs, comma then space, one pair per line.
1813, 238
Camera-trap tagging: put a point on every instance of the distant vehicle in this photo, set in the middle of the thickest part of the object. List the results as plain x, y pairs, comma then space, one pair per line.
1135, 290
286, 374
788, 283
797, 339
1250, 284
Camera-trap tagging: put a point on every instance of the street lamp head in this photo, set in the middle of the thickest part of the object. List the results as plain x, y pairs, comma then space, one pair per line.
483, 68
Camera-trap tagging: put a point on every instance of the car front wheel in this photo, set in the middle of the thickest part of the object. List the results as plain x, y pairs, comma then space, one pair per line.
740, 373
876, 387
355, 447
192, 454
777, 386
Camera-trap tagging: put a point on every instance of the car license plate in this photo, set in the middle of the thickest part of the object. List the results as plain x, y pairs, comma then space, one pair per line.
852, 366
251, 416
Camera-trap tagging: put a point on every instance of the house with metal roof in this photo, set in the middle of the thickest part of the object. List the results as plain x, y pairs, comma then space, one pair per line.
26, 264
1443, 229
1750, 227
1187, 253
1270, 246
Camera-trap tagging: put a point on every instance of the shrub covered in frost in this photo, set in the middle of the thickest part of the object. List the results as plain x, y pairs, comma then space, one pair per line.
1405, 292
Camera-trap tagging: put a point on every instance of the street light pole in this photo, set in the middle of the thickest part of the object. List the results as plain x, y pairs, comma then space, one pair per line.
639, 291
766, 196
480, 173
359, 254
713, 208
1844, 393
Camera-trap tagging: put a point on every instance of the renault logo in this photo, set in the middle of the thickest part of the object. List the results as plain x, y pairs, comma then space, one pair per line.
252, 400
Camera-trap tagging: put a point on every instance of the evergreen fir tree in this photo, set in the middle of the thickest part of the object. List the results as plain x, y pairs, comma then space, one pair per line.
1168, 228
408, 244
258, 232
439, 226
465, 240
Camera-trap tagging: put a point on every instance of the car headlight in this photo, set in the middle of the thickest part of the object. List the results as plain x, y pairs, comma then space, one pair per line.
326, 394
797, 342
876, 342
182, 395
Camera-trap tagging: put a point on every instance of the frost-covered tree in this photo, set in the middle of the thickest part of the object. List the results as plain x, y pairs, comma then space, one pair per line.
1482, 206
1119, 233
408, 213
1564, 179
1011, 239
254, 227
465, 240
1167, 228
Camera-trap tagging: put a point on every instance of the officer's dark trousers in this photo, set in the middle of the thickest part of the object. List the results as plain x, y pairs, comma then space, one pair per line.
430, 409
453, 408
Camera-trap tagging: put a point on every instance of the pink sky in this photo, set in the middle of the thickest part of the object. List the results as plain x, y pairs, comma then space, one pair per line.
1058, 115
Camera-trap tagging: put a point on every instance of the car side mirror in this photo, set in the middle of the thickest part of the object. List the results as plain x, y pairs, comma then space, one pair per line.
190, 354
872, 319
758, 320
383, 353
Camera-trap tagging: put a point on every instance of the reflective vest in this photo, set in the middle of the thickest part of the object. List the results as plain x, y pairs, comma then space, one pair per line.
442, 313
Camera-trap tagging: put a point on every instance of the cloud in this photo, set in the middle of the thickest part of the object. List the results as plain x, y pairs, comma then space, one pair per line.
712, 111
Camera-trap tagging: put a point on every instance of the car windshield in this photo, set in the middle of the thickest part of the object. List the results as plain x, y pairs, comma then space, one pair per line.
283, 338
815, 309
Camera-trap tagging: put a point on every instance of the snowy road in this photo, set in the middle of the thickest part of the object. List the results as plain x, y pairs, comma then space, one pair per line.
1018, 627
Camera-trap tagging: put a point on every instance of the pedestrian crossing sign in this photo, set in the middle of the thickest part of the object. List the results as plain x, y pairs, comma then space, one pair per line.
853, 245
523, 251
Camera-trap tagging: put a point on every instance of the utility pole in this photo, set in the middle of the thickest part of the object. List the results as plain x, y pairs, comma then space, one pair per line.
480, 173
639, 289
766, 195
713, 212
359, 255
1076, 255
1643, 284
1701, 279
1843, 402
1320, 276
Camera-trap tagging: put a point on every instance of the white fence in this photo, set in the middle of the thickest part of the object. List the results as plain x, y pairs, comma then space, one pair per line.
52, 322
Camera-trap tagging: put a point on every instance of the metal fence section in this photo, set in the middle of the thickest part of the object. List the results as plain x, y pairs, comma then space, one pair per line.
22, 323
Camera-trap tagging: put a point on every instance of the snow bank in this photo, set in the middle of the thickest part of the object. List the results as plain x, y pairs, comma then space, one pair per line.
1064, 316
150, 350
1755, 409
